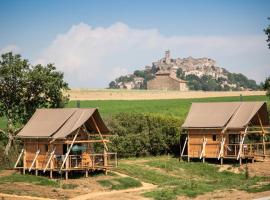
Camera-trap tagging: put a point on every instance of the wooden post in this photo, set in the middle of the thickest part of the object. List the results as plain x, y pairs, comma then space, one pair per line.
221, 160
66, 175
188, 158
51, 168
36, 166
24, 160
86, 173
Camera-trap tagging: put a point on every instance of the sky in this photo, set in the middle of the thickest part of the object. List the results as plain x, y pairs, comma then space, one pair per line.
93, 42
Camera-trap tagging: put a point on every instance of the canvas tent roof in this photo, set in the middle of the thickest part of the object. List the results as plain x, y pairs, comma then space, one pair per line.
233, 115
58, 123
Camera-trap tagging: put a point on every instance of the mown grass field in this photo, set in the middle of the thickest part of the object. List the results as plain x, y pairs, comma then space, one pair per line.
175, 178
173, 107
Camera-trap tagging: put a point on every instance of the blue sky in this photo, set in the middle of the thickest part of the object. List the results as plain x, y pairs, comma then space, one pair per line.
64, 32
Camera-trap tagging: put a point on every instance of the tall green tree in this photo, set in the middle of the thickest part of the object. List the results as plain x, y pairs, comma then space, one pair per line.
266, 86
24, 88
267, 32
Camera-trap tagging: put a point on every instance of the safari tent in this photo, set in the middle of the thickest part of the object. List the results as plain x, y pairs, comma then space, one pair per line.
226, 130
64, 140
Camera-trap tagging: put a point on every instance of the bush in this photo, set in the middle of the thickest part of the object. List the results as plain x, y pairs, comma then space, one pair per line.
139, 134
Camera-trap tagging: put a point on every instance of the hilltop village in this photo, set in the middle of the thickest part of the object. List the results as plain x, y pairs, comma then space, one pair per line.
184, 74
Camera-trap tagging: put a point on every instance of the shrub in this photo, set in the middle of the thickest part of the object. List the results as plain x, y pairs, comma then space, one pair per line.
139, 134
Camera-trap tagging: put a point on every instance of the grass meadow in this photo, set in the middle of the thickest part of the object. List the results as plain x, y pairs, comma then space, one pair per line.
175, 178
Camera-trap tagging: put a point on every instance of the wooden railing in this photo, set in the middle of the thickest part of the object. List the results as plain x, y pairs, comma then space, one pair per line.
230, 150
211, 150
89, 161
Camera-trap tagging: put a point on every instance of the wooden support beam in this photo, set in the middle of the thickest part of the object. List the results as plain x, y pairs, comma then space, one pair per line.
184, 147
19, 158
221, 152
86, 141
263, 133
203, 149
241, 147
37, 153
71, 145
252, 132
49, 160
24, 159
104, 143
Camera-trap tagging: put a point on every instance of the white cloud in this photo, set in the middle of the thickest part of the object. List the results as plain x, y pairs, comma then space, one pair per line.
10, 47
91, 57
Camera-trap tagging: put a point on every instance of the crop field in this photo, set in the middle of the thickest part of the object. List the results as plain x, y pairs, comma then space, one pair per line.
173, 107
122, 94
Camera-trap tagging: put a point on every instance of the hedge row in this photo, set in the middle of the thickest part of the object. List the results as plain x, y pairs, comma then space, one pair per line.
138, 134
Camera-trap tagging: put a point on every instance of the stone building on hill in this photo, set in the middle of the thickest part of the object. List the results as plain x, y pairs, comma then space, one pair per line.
165, 80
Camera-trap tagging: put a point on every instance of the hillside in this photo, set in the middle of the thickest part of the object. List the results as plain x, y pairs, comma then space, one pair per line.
200, 74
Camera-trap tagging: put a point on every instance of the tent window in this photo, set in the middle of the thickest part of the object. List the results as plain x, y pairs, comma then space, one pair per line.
214, 137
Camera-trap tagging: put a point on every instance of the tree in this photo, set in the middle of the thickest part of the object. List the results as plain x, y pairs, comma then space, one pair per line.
113, 85
266, 86
180, 73
24, 88
267, 32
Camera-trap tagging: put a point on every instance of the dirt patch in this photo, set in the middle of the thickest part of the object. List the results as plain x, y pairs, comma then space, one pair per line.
258, 168
25, 189
230, 168
7, 172
109, 94
134, 193
229, 194
84, 186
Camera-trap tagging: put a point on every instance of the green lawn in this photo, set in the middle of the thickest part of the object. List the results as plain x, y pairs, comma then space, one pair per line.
189, 179
37, 180
174, 107
120, 183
